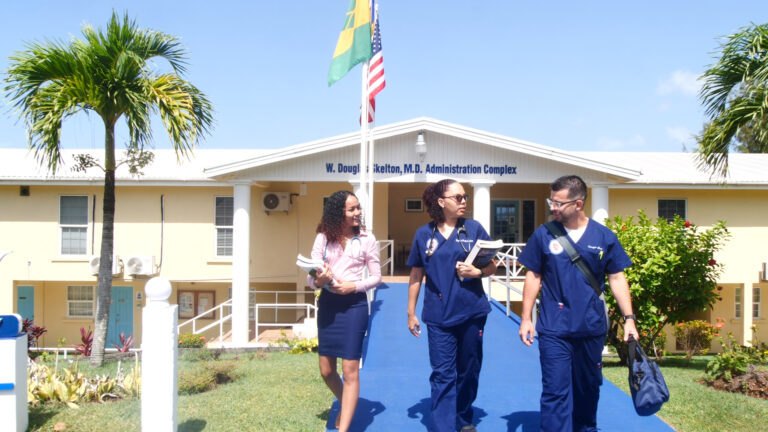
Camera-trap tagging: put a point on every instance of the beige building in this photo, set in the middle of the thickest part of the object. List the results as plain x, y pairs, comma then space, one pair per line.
226, 226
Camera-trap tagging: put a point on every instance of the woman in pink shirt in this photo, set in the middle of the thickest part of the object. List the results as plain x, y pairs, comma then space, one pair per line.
342, 317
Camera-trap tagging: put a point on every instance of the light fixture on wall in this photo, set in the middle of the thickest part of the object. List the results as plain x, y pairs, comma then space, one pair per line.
421, 146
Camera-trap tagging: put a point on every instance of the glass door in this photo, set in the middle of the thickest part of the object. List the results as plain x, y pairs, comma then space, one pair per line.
505, 220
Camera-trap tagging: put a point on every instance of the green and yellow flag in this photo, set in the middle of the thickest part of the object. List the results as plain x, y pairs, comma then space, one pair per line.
354, 45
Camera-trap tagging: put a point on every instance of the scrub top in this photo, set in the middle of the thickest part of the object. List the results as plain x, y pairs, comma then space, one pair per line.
569, 306
448, 301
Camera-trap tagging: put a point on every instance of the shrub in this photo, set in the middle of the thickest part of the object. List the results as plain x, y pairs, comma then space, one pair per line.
86, 339
673, 275
206, 376
125, 343
191, 340
696, 336
298, 345
70, 386
33, 332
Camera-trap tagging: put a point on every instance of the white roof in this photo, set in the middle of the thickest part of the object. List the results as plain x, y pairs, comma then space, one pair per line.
212, 166
660, 169
20, 166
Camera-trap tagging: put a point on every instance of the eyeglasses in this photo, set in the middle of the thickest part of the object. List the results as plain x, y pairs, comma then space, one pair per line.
459, 198
558, 204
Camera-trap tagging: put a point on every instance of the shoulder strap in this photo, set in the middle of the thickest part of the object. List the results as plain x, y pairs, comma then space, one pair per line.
561, 237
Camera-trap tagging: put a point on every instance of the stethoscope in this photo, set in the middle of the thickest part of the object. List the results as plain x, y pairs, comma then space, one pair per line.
432, 243
353, 251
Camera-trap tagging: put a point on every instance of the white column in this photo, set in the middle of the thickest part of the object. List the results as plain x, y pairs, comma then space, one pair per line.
746, 313
600, 202
159, 359
481, 212
481, 207
241, 258
13, 374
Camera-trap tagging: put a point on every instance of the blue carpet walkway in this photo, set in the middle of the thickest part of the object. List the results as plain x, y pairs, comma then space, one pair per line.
394, 381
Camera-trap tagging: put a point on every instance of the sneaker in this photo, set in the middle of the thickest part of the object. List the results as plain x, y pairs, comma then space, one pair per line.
468, 428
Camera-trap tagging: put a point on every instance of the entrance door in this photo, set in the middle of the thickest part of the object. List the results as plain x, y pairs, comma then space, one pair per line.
505, 220
25, 302
120, 315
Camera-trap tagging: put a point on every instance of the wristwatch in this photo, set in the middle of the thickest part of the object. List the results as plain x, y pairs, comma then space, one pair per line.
632, 317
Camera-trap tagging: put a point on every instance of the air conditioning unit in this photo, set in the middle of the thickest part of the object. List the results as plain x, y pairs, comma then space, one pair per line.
275, 201
95, 260
140, 265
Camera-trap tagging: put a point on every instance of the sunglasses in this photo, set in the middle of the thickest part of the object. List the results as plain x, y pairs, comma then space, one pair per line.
459, 198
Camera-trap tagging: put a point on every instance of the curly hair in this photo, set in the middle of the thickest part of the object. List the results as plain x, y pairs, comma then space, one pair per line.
432, 193
576, 187
332, 222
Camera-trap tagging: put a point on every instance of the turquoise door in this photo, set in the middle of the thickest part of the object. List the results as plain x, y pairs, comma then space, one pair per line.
25, 302
120, 315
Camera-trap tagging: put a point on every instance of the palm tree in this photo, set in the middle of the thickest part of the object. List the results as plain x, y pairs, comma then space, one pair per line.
106, 73
735, 97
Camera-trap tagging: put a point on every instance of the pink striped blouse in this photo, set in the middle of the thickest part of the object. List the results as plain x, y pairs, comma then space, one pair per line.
348, 264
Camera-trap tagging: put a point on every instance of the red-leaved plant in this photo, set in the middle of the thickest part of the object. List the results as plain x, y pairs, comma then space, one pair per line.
125, 343
87, 342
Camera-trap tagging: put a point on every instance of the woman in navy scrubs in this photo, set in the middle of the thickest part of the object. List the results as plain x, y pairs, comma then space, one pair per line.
454, 310
342, 317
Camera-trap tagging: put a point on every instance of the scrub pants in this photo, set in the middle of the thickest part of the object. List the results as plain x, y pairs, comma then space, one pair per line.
571, 375
456, 355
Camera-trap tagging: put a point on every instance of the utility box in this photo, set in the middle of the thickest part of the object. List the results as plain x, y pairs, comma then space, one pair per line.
13, 374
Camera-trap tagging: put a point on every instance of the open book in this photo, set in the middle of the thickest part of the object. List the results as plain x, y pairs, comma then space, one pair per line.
311, 266
483, 252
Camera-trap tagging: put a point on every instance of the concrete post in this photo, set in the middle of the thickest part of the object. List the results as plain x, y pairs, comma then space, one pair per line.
241, 263
600, 202
13, 374
159, 358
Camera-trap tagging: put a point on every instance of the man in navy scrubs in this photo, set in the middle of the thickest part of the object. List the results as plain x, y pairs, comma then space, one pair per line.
571, 325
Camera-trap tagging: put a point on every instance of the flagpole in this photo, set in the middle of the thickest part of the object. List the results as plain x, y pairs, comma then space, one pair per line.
374, 17
366, 202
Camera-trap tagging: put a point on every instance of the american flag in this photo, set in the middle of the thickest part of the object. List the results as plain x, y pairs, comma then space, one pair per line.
376, 81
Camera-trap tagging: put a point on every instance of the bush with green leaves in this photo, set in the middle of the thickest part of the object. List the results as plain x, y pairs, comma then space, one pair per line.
191, 340
673, 274
297, 345
205, 376
695, 337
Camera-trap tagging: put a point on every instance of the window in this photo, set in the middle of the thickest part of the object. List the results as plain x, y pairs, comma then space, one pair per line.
668, 208
193, 303
756, 313
413, 205
756, 302
73, 222
224, 217
80, 301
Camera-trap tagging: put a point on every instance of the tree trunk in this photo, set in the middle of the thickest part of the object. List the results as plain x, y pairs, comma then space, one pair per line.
104, 298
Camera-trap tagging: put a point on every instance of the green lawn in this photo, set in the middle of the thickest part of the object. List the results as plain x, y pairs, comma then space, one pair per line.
284, 392
694, 407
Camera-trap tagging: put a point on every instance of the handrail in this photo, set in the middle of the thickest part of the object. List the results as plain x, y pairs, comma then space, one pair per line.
308, 312
513, 271
390, 244
224, 317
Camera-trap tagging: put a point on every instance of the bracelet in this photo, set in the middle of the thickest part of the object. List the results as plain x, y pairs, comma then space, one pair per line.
632, 317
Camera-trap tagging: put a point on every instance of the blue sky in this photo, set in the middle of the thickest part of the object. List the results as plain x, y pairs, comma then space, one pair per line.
587, 75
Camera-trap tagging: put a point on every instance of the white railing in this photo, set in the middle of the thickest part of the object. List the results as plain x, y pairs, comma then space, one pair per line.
513, 271
310, 311
224, 310
388, 244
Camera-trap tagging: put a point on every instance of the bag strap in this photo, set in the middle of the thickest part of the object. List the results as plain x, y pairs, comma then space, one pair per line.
576, 259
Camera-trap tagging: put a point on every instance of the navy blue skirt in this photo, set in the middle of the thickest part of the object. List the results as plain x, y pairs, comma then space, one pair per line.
341, 324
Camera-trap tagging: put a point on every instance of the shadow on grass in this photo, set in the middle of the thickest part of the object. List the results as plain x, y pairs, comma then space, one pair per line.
39, 416
192, 425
